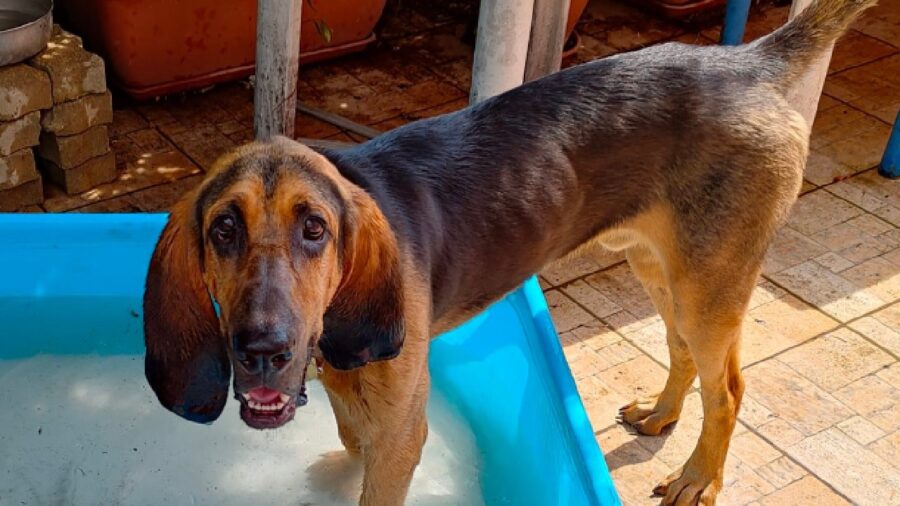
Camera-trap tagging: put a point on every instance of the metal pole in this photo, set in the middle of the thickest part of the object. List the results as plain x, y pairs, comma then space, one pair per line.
548, 34
277, 63
736, 12
804, 96
890, 164
501, 48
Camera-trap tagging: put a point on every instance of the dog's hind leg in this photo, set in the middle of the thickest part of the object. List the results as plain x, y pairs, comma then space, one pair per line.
710, 308
650, 416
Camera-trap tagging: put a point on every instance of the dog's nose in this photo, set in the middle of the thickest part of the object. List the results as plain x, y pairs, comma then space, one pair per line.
259, 351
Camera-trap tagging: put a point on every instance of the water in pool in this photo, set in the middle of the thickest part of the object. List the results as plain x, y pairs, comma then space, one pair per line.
87, 430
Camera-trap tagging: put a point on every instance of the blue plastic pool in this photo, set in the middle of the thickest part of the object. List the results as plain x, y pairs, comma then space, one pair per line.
71, 286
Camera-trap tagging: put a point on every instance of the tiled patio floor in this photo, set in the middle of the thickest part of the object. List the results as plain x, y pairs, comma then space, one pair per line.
820, 423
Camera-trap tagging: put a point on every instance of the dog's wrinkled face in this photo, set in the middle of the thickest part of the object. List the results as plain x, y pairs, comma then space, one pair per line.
296, 258
270, 233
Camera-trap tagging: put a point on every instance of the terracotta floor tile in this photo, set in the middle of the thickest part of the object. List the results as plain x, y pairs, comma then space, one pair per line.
837, 123
822, 169
126, 121
592, 299
882, 21
620, 286
161, 198
818, 211
870, 88
755, 414
790, 248
888, 448
753, 450
639, 377
601, 402
852, 469
456, 72
567, 269
651, 339
742, 485
861, 430
856, 48
862, 149
566, 314
836, 359
793, 398
780, 432
634, 469
781, 472
829, 292
312, 128
149, 170
874, 399
891, 375
882, 327
204, 145
873, 193
880, 276
807, 490
779, 324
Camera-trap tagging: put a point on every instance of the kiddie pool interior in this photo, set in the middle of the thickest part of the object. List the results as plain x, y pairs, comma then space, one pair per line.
78, 425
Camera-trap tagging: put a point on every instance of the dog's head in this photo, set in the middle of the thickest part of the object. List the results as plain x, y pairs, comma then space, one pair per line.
295, 258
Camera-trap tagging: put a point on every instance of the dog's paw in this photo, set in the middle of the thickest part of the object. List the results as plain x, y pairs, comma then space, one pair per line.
686, 487
645, 417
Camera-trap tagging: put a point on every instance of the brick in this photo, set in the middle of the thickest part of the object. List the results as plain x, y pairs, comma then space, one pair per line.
74, 117
73, 71
69, 151
20, 133
16, 169
21, 196
91, 173
22, 90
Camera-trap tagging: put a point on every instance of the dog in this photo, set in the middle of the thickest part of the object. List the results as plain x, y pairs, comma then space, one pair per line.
686, 158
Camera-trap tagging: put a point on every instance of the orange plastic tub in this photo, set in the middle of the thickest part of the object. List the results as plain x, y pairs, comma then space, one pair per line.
157, 47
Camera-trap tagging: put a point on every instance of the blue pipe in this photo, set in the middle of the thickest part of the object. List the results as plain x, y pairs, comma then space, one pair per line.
890, 163
736, 12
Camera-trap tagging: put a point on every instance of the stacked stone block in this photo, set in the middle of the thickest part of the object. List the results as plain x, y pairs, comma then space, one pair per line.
24, 91
56, 107
74, 144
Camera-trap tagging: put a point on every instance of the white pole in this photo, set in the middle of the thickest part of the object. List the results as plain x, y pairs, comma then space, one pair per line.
277, 63
548, 33
804, 96
501, 48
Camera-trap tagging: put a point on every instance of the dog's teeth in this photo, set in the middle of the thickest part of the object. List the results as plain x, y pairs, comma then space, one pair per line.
284, 398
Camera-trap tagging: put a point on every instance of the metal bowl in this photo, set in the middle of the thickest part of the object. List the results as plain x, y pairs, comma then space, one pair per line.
25, 27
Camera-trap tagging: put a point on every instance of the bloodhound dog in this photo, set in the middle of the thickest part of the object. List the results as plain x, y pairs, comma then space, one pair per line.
685, 158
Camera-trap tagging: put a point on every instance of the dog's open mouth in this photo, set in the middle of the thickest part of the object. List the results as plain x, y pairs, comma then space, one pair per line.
265, 408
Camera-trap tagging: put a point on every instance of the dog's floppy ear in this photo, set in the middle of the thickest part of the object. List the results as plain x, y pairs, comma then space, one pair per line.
364, 322
186, 364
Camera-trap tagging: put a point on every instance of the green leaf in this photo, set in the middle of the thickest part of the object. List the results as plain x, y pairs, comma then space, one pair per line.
324, 31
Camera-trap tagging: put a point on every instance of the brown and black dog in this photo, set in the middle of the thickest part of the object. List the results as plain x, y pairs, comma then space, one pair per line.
687, 158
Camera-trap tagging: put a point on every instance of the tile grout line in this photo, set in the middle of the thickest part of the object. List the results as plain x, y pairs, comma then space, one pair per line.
790, 457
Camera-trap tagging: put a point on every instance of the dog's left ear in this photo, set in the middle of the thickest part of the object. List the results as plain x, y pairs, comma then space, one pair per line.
186, 363
365, 322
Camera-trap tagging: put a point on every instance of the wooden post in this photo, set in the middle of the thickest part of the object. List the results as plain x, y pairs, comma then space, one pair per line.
548, 33
805, 93
501, 48
277, 63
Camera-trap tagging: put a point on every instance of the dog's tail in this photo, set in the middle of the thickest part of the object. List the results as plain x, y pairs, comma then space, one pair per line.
790, 50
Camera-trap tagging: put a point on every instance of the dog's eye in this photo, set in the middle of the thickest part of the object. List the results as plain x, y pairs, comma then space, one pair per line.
224, 230
313, 228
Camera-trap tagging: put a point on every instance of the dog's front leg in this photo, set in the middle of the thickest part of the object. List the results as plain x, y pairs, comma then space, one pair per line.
393, 396
392, 457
